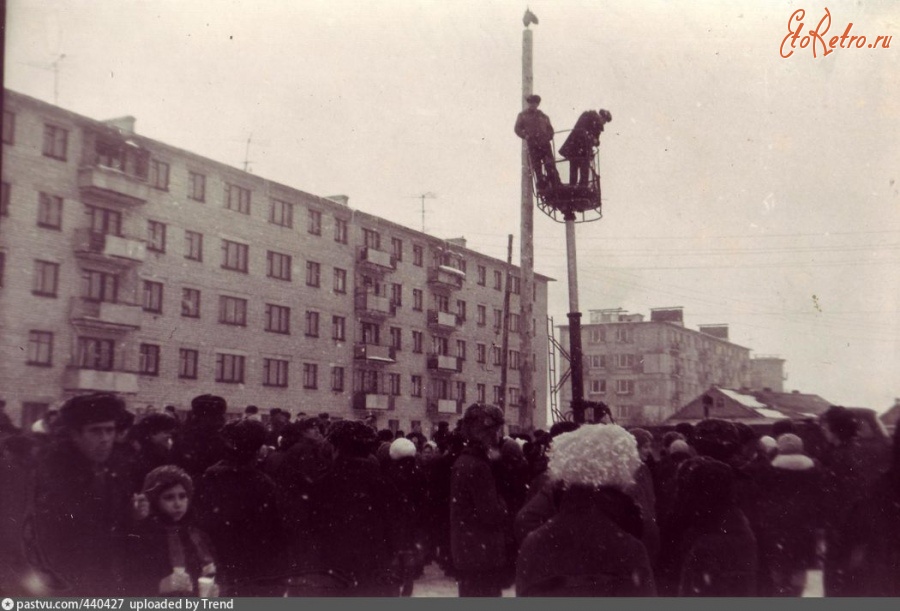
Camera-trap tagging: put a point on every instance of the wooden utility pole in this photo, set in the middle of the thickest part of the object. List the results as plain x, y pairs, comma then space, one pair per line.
526, 258
504, 342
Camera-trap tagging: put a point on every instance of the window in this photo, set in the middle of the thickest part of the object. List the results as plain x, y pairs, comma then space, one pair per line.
418, 255
56, 141
340, 231
46, 278
187, 363
393, 383
190, 303
4, 199
417, 300
480, 390
95, 353
107, 222
514, 323
159, 175
460, 391
312, 273
372, 239
312, 323
481, 271
197, 186
496, 395
278, 319
442, 303
598, 386
417, 339
415, 386
396, 337
461, 310
275, 373
152, 297
234, 256
461, 349
625, 360
40, 348
49, 211
481, 315
340, 280
498, 280
498, 319
281, 213
514, 396
148, 363
598, 361
397, 248
100, 286
230, 368
156, 236
310, 375
397, 294
193, 246
370, 333
338, 328
480, 353
337, 379
496, 355
624, 335
598, 336
237, 199
232, 311
624, 387
9, 127
514, 360
278, 265
515, 285
314, 222
440, 345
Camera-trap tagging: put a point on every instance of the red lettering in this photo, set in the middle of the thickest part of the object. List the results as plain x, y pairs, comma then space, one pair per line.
861, 42
845, 34
833, 42
792, 33
817, 35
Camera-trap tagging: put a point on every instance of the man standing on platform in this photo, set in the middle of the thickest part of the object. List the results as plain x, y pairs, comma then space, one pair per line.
534, 127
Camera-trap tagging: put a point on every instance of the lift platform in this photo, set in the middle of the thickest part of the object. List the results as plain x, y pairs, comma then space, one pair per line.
583, 203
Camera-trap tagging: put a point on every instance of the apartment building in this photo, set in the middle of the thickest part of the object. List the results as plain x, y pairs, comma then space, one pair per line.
133, 266
645, 370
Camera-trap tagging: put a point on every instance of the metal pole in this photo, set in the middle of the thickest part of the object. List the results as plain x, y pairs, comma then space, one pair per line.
526, 260
574, 315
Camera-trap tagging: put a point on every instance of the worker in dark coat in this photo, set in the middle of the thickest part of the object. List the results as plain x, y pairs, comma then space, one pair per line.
579, 146
871, 537
478, 514
153, 438
534, 127
592, 545
199, 445
17, 464
83, 500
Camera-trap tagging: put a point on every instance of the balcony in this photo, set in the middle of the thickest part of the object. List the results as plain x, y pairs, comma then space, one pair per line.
373, 352
443, 321
367, 400
112, 247
443, 362
447, 406
101, 381
379, 306
105, 314
112, 185
377, 259
446, 277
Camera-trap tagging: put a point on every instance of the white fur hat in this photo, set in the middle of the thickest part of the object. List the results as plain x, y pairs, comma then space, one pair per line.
402, 448
595, 455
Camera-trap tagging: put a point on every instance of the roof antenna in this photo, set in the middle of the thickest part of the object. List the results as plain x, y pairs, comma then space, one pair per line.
247, 154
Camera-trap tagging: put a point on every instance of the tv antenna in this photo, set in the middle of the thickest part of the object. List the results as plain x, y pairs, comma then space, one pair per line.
247, 153
54, 67
422, 197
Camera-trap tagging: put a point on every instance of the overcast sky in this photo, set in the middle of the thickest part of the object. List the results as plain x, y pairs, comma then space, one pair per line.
753, 190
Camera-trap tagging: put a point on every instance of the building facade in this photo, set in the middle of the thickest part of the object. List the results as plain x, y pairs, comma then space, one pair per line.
646, 370
132, 266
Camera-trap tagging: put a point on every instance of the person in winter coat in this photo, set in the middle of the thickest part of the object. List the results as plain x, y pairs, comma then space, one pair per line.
199, 445
478, 514
711, 549
440, 476
165, 554
17, 463
357, 519
579, 146
788, 509
237, 507
82, 500
153, 438
412, 490
871, 538
534, 127
592, 545
677, 452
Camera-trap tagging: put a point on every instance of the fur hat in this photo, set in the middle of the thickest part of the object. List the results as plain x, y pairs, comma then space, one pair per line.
162, 478
789, 444
768, 444
402, 448
244, 437
716, 438
92, 409
841, 422
595, 455
705, 483
669, 437
679, 446
352, 437
209, 406
479, 416
643, 436
152, 424
533, 99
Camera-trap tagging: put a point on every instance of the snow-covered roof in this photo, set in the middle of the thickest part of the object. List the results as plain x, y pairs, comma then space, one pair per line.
745, 400
770, 413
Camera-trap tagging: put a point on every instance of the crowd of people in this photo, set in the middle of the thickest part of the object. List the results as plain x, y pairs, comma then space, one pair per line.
97, 502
